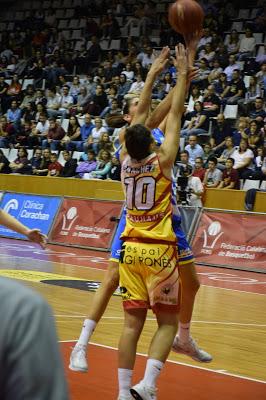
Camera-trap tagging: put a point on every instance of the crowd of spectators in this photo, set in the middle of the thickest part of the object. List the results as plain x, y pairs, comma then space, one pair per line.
57, 94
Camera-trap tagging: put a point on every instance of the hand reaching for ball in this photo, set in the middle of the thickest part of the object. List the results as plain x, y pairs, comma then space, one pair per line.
160, 62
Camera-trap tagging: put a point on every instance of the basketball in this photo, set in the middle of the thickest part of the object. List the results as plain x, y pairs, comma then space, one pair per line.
185, 17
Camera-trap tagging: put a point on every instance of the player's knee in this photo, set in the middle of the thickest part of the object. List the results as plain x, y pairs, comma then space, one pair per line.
111, 280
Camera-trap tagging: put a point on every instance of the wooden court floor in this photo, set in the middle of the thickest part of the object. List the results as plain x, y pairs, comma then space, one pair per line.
229, 321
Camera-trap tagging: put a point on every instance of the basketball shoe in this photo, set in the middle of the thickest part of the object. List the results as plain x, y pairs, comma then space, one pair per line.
78, 358
191, 349
125, 397
143, 392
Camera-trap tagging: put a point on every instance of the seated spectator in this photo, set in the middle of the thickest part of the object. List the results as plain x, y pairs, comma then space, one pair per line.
94, 138
252, 93
123, 87
247, 46
254, 136
54, 136
136, 87
42, 170
230, 178
235, 90
243, 157
221, 129
40, 109
69, 169
115, 171
14, 89
221, 84
198, 123
215, 72
231, 67
240, 132
82, 101
105, 143
260, 164
21, 139
180, 165
42, 128
261, 75
54, 168
129, 72
194, 149
4, 164
194, 97
87, 165
207, 53
74, 89
29, 113
72, 135
40, 98
53, 102
233, 43
113, 109
258, 112
98, 101
7, 132
202, 76
211, 102
208, 153
3, 93
227, 152
199, 171
213, 175
103, 166
36, 161
21, 165
66, 102
29, 97
14, 115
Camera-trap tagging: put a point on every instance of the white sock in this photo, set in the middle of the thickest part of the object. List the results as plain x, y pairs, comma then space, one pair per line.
152, 372
183, 332
86, 332
124, 381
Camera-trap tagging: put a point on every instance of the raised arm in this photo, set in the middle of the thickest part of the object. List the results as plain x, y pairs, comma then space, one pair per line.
168, 149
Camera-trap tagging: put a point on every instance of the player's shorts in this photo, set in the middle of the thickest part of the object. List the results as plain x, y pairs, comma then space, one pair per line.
149, 276
185, 255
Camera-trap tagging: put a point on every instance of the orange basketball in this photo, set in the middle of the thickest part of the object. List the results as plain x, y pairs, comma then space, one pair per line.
185, 16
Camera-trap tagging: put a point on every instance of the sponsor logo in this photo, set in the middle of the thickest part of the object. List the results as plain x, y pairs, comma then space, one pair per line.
211, 236
11, 205
69, 218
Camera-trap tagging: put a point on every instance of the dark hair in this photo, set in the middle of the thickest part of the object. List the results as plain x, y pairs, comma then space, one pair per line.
138, 140
184, 152
231, 159
213, 159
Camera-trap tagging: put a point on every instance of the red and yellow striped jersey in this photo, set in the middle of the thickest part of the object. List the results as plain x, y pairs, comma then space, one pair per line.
148, 201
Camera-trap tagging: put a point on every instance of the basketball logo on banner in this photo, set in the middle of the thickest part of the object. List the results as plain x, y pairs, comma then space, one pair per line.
11, 205
69, 218
212, 235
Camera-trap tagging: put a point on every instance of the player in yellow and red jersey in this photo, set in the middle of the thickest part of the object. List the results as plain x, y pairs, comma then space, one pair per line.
148, 264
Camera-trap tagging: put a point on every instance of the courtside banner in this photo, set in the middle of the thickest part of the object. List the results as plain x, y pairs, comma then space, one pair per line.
236, 240
86, 223
31, 210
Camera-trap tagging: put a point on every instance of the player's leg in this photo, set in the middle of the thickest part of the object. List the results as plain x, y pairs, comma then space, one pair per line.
163, 286
190, 285
78, 358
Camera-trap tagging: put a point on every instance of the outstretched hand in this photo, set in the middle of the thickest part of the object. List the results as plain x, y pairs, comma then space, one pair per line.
160, 62
35, 235
180, 60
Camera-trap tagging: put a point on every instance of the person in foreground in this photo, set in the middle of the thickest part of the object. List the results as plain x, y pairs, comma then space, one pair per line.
136, 111
148, 265
28, 339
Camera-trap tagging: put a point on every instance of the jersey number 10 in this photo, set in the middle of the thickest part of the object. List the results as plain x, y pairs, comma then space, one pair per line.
140, 192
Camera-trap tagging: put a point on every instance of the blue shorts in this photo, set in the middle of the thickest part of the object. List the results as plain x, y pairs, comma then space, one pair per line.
185, 255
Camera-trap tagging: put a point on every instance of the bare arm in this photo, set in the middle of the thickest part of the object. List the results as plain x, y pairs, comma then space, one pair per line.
12, 223
168, 149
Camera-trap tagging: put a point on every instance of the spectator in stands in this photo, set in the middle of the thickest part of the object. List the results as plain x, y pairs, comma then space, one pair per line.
103, 165
222, 55
258, 113
208, 153
207, 53
213, 175
227, 152
194, 149
240, 132
221, 84
14, 115
72, 135
235, 90
243, 157
211, 102
113, 109
85, 132
29, 113
230, 178
220, 130
7, 132
206, 38
69, 169
36, 161
184, 161
98, 102
261, 76
94, 138
105, 143
202, 76
247, 45
74, 89
198, 123
254, 136
87, 165
66, 102
54, 168
94, 52
146, 57
3, 94
215, 72
21, 164
42, 128
199, 171
109, 26
193, 98
260, 164
42, 170
53, 102
136, 87
115, 171
21, 138
82, 101
40, 109
28, 98
252, 93
233, 43
4, 164
54, 136
232, 66
123, 87
129, 72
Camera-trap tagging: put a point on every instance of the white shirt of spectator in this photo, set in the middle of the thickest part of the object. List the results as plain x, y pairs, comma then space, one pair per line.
66, 101
136, 87
229, 71
53, 101
247, 44
195, 183
42, 128
240, 158
96, 134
